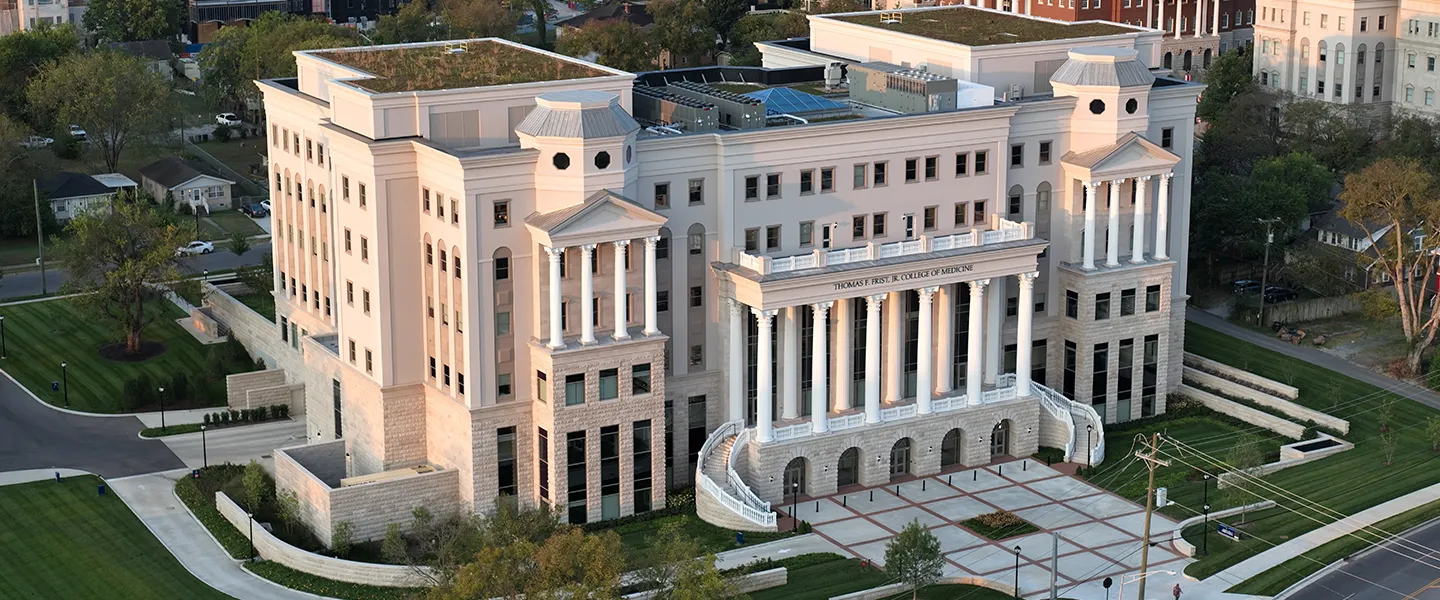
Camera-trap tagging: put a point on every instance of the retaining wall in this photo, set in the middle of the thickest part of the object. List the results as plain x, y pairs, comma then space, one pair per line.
1288, 392
260, 335
744, 584
1294, 461
1177, 538
261, 388
273, 548
1286, 407
1244, 413
896, 590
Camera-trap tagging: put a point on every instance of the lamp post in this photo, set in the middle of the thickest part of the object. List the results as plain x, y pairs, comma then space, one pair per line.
1017, 571
1205, 535
65, 377
794, 497
2, 336
162, 408
1089, 445
204, 451
251, 518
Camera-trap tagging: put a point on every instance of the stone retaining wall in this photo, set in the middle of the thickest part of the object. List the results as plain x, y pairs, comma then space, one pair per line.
1286, 407
1288, 392
744, 584
1177, 538
273, 548
895, 590
1290, 458
1244, 413
262, 388
260, 335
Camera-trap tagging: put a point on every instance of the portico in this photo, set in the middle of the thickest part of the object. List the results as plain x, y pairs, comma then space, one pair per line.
1124, 170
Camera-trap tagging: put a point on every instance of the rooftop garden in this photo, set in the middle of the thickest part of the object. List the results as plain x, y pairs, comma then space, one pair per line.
974, 27
441, 66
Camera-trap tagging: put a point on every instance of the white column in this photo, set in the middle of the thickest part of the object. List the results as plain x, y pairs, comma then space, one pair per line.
1137, 241
1087, 242
1215, 20
650, 292
1023, 333
557, 335
1160, 20
975, 335
924, 389
764, 388
790, 362
844, 327
994, 328
819, 394
894, 374
621, 333
872, 357
587, 295
1112, 241
1179, 10
737, 361
1199, 18
1029, 9
1150, 13
1162, 218
944, 345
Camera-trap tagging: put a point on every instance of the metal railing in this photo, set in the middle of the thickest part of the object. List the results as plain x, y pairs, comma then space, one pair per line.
747, 505
1002, 230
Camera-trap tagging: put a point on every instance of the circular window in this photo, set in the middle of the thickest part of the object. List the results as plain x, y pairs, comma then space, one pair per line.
602, 160
562, 161
1132, 105
1097, 106
629, 154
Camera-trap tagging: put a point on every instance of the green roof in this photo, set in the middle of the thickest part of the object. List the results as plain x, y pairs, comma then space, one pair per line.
455, 65
975, 27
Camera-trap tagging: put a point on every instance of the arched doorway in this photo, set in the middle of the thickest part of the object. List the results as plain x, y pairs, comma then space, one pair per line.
900, 458
952, 448
1189, 59
847, 471
795, 478
1000, 439
1207, 58
1169, 60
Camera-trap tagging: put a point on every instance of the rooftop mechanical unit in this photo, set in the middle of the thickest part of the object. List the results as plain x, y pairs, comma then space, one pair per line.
901, 89
736, 111
654, 105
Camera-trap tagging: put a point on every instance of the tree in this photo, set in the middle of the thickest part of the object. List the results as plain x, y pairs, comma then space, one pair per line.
496, 572
914, 557
1307, 178
1393, 201
724, 14
116, 97
1228, 76
1245, 459
820, 7
1338, 137
680, 29
1323, 269
23, 55
572, 564
239, 244
134, 20
614, 43
1228, 213
1389, 443
263, 50
342, 536
680, 570
122, 259
760, 28
1414, 136
412, 23
394, 548
257, 486
287, 508
479, 18
1432, 433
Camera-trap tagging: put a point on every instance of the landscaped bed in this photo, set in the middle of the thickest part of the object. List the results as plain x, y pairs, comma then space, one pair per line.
637, 532
63, 540
999, 525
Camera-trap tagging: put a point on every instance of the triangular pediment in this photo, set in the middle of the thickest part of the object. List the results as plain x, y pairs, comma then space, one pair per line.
603, 217
1131, 155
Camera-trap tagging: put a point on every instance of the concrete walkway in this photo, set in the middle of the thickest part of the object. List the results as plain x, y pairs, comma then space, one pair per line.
152, 498
787, 548
1315, 357
177, 417
236, 444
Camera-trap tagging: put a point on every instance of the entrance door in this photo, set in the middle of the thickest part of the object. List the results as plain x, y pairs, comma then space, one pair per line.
909, 220
825, 235
847, 472
1000, 439
950, 452
900, 458
795, 477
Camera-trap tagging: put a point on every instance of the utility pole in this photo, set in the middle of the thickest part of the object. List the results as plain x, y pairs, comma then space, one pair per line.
1152, 460
39, 236
1264, 272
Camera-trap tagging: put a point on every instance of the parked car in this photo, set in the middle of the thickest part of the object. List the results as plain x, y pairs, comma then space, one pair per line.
36, 141
1245, 287
266, 205
77, 132
255, 211
1275, 293
227, 119
195, 247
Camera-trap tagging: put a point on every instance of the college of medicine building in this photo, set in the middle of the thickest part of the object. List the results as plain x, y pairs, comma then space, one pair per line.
508, 275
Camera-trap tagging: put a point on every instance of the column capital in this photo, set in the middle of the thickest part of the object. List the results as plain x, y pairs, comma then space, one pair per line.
875, 300
1092, 184
736, 307
927, 292
621, 243
1168, 175
822, 307
587, 248
978, 283
1028, 279
1145, 177
764, 316
1120, 181
555, 253
651, 241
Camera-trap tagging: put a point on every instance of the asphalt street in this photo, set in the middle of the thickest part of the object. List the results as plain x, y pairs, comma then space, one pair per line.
1410, 571
33, 436
15, 285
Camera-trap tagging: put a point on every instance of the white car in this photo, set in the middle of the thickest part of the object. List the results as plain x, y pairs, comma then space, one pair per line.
196, 247
227, 119
266, 204
36, 141
77, 132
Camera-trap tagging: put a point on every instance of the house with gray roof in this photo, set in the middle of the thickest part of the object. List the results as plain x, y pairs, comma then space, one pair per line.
187, 181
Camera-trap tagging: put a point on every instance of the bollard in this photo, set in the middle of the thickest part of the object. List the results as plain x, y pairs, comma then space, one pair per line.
922, 485
1024, 465
844, 501
1000, 469
817, 506
872, 495
100, 489
897, 491
949, 480
977, 474
739, 538
57, 477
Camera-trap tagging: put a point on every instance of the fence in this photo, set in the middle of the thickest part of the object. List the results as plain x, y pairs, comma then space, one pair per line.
1311, 310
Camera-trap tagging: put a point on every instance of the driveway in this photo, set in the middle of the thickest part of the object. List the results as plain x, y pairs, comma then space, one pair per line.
33, 436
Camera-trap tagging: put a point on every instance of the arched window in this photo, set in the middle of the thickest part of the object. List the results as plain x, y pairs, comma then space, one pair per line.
662, 247
501, 265
1015, 201
1169, 58
1305, 50
1339, 55
1225, 21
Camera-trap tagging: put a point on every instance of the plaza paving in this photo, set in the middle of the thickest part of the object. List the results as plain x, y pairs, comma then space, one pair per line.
1099, 531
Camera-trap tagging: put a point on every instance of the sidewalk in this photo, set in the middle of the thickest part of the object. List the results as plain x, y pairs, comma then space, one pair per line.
1315, 357
787, 548
177, 417
152, 498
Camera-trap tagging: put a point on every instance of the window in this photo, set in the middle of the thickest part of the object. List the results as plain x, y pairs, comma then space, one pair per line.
1167, 137
1072, 304
1429, 97
1152, 298
697, 355
696, 242
827, 179
1100, 359
609, 384
772, 186
1340, 23
662, 300
502, 268
1364, 23
1305, 19
880, 173
429, 254
1013, 207
929, 217
962, 164
352, 351
1068, 387
1409, 93
574, 389
857, 227
502, 323
662, 249
1102, 306
696, 424
575, 475
542, 386
752, 187
506, 472
911, 170
1127, 302
640, 448
807, 233
961, 210
432, 367
1017, 155
662, 196
697, 191
1380, 23
502, 213
982, 162
752, 239
640, 379
932, 168
861, 176
807, 182
364, 249
1044, 153
697, 297
361, 191
978, 215
877, 225
772, 238
1324, 20
369, 362
347, 240
543, 455
365, 301
1149, 373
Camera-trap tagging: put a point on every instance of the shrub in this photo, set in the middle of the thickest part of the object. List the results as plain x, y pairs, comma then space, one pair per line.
224, 133
1000, 519
234, 415
284, 410
260, 364
394, 549
206, 420
214, 365
257, 487
140, 391
225, 418
238, 354
179, 387
341, 538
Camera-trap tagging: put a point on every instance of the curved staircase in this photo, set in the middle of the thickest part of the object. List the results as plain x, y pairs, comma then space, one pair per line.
721, 497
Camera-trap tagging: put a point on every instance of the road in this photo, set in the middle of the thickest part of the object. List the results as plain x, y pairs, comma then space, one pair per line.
1411, 572
16, 285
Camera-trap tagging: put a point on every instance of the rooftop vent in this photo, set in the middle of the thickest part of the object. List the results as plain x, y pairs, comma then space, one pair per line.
891, 18
657, 94
718, 93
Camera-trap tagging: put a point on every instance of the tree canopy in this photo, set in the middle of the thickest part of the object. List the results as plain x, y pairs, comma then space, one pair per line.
23, 55
412, 23
914, 557
682, 28
116, 97
1228, 77
135, 20
239, 55
760, 28
479, 18
614, 43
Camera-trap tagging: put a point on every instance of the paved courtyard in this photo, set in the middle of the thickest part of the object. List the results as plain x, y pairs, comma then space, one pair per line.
1099, 531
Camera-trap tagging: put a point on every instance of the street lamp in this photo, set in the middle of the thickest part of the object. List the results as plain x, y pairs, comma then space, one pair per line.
1017, 571
794, 497
1205, 540
204, 451
65, 377
162, 408
251, 517
1089, 445
2, 336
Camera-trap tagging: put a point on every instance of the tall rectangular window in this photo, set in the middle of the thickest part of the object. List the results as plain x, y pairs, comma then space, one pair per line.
1149, 375
609, 384
695, 422
662, 196
807, 181
697, 191
911, 171
1072, 304
1100, 358
1123, 383
982, 162
932, 167
752, 187
962, 164
506, 473
861, 176
640, 449
1127, 302
574, 389
1152, 298
1068, 386
1102, 306
1017, 155
335, 398
542, 450
1167, 137
542, 386
575, 477
880, 174
640, 379
610, 472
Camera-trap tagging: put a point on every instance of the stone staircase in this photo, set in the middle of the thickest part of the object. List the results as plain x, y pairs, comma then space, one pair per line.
720, 496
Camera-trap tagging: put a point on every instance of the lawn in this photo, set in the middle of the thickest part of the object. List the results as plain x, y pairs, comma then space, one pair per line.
62, 540
1347, 482
237, 154
635, 536
823, 580
262, 302
41, 335
16, 252
1286, 574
